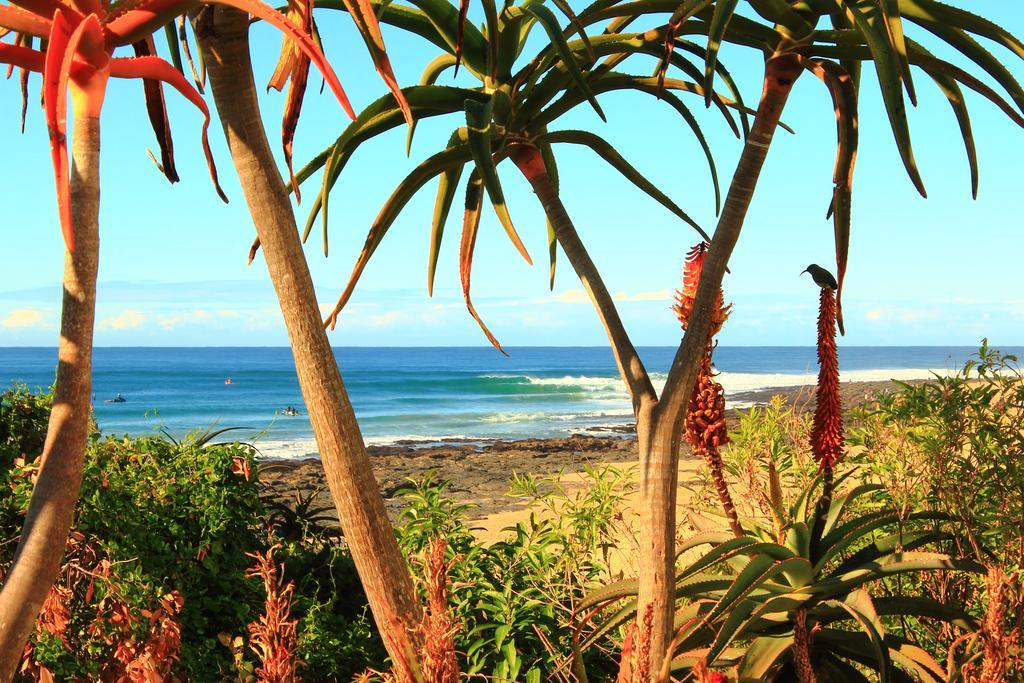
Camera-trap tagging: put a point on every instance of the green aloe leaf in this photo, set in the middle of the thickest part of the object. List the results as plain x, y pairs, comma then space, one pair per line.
890, 80
859, 606
890, 10
470, 228
431, 73
171, 35
955, 96
382, 115
720, 552
479, 121
911, 606
547, 19
893, 565
760, 570
648, 86
905, 540
844, 100
723, 14
448, 158
832, 668
727, 78
956, 16
981, 57
845, 535
764, 657
492, 37
928, 63
548, 154
444, 18
447, 185
841, 503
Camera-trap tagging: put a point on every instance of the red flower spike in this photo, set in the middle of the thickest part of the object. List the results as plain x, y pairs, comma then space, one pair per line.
705, 427
705, 420
827, 430
685, 297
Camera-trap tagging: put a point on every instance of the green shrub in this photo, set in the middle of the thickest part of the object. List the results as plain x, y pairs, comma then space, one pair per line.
515, 598
183, 515
158, 517
956, 444
23, 419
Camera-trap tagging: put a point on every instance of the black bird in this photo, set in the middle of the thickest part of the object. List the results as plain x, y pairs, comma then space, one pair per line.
822, 277
825, 279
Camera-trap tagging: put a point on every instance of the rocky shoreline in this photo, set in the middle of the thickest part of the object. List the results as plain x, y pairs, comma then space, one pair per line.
479, 471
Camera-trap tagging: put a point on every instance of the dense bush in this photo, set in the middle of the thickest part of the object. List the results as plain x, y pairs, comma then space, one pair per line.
23, 417
955, 445
515, 599
161, 533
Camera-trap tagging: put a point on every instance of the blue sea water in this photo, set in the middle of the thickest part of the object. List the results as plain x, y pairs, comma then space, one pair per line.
430, 394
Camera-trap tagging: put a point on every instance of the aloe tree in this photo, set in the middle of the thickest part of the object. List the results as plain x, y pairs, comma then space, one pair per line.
223, 36
512, 115
76, 57
832, 39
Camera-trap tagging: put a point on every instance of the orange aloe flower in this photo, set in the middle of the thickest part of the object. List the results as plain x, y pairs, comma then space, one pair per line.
706, 430
827, 431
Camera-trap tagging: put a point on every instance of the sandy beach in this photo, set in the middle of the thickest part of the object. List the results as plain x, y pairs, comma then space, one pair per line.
479, 471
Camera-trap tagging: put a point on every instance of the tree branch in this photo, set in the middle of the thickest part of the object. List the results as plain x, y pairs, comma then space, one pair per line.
631, 368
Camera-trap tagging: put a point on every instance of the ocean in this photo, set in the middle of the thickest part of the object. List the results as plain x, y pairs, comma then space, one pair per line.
425, 394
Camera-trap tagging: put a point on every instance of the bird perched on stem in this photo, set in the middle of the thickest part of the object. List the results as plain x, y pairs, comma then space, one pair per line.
826, 280
822, 277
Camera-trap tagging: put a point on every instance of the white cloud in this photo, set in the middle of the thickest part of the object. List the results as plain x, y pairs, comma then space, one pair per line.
128, 319
916, 314
197, 316
657, 295
570, 296
385, 319
904, 315
24, 317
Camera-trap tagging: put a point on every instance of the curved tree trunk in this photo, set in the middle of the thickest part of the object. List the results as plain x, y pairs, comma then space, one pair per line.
223, 35
51, 510
638, 383
660, 438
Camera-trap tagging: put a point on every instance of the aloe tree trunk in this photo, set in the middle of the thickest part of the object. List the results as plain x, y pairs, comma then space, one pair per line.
660, 422
223, 35
661, 437
51, 510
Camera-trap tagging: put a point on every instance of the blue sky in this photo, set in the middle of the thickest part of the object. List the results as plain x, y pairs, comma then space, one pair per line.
173, 268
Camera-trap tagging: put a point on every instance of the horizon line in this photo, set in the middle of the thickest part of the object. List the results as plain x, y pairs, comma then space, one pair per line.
538, 346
